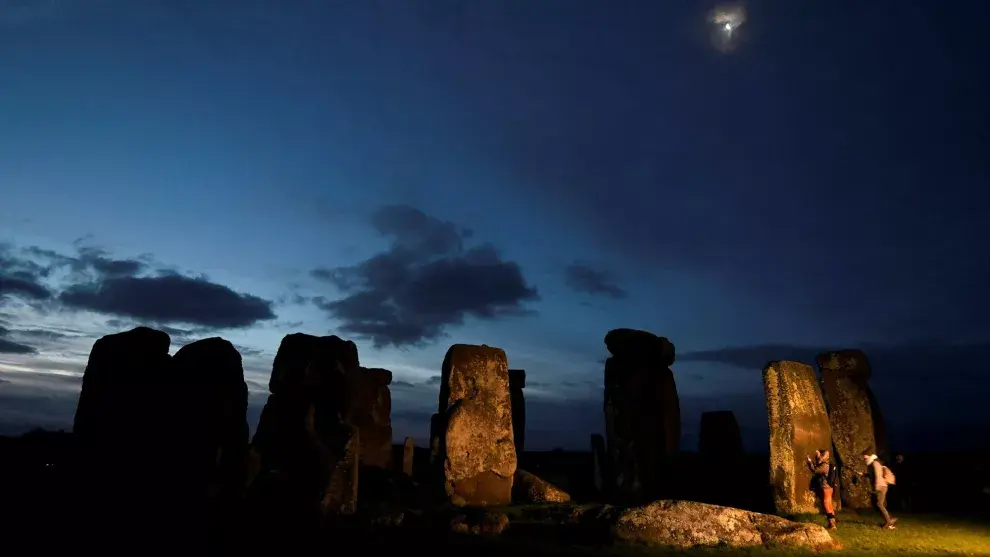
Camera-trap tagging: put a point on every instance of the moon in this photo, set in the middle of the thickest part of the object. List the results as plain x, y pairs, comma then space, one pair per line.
725, 20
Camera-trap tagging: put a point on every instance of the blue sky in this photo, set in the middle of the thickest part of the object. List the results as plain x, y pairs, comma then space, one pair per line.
525, 176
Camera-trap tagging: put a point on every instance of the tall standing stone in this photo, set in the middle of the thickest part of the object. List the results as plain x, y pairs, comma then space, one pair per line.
719, 437
720, 448
798, 426
214, 413
642, 414
477, 449
844, 376
408, 456
302, 432
368, 406
517, 382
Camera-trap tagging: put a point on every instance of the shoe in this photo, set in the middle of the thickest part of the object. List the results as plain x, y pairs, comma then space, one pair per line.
831, 524
893, 521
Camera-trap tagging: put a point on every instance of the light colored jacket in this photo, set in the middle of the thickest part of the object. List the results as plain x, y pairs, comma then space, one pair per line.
876, 472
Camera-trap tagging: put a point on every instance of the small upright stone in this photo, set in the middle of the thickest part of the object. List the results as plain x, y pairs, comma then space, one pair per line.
798, 427
598, 454
408, 456
517, 382
477, 449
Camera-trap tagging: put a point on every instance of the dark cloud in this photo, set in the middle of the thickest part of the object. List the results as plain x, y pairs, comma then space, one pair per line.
169, 299
136, 289
399, 384
585, 279
426, 282
434, 380
8, 346
11, 347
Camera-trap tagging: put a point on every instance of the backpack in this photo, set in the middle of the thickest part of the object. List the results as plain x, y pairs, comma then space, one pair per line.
888, 476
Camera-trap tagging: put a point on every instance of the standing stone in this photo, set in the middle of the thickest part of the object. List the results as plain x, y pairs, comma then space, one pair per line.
302, 433
642, 414
436, 433
125, 411
719, 436
721, 449
798, 426
844, 376
600, 458
408, 456
517, 382
213, 415
368, 406
340, 484
476, 445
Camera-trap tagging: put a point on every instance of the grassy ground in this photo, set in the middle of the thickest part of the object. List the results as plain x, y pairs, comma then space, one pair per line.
859, 535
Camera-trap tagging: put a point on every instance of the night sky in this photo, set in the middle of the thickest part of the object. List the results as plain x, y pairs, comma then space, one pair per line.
521, 174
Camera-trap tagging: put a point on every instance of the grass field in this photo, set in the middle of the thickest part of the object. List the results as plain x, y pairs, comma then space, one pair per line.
859, 535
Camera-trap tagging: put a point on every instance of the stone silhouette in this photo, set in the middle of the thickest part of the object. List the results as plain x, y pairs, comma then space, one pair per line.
844, 376
476, 446
132, 399
719, 437
642, 413
721, 450
798, 426
517, 382
302, 433
213, 414
436, 433
368, 406
408, 456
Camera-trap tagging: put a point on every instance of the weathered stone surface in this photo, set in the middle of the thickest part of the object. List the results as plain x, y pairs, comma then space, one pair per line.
845, 362
517, 382
368, 406
295, 352
340, 494
302, 433
477, 448
408, 456
686, 524
843, 379
126, 399
640, 346
212, 417
486, 523
798, 426
528, 488
600, 459
642, 418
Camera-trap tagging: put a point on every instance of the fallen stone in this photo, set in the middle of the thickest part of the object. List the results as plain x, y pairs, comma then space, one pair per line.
487, 523
477, 450
529, 488
798, 427
687, 524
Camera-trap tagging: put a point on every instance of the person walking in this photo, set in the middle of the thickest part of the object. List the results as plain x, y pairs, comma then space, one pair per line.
820, 467
881, 478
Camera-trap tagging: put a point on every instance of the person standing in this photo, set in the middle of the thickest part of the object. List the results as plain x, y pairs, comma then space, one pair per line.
881, 479
820, 466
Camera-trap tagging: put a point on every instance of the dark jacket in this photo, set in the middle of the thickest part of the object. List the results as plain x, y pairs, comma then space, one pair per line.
820, 470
